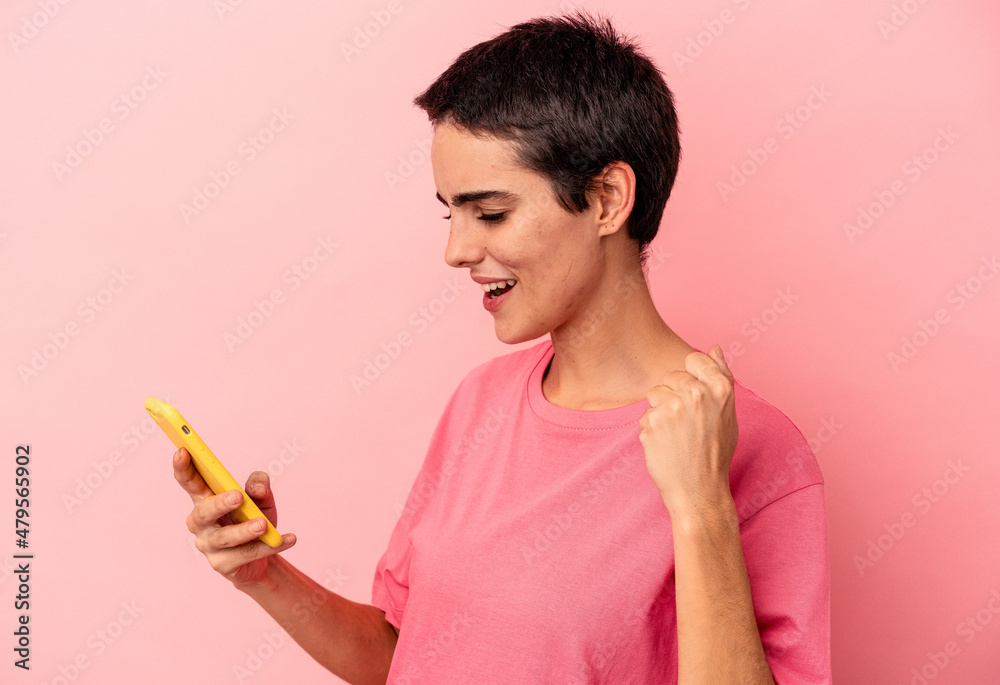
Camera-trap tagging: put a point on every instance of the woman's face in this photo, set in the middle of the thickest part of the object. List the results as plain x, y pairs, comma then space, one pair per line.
506, 224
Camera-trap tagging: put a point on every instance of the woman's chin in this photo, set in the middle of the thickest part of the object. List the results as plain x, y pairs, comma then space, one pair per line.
512, 336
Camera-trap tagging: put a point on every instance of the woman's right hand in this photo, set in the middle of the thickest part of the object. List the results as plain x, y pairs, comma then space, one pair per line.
232, 548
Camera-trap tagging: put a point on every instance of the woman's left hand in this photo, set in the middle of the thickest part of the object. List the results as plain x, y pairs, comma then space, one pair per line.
689, 433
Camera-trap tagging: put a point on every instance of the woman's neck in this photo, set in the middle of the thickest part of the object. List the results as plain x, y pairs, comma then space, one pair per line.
621, 350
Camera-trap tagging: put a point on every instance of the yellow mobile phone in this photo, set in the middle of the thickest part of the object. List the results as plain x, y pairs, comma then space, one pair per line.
211, 469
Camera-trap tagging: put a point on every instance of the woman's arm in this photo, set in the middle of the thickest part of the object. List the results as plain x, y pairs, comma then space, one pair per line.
689, 435
717, 636
352, 640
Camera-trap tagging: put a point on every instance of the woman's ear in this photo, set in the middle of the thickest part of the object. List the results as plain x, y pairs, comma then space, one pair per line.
615, 197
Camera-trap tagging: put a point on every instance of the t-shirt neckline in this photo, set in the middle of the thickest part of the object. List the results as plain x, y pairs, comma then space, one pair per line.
576, 418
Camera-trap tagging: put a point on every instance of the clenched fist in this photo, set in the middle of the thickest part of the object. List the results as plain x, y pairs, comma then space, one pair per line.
689, 433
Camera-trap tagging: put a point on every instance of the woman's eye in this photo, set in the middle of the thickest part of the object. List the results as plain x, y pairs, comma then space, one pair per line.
488, 218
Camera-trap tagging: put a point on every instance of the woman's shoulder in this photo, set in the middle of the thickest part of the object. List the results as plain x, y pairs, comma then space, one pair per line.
772, 458
756, 413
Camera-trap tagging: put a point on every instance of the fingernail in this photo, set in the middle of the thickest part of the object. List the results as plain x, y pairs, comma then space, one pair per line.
233, 498
288, 538
258, 525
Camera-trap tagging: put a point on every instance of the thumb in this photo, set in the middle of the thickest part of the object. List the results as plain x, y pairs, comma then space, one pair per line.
258, 487
720, 359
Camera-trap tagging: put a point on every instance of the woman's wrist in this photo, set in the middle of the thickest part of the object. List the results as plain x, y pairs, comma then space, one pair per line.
269, 581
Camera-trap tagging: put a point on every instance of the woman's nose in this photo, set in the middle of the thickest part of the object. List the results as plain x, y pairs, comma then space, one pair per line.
465, 246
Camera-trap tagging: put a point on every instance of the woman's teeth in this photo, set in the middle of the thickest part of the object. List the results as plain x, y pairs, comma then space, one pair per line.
497, 288
497, 284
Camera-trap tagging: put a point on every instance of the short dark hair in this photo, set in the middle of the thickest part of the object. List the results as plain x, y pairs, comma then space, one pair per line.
573, 95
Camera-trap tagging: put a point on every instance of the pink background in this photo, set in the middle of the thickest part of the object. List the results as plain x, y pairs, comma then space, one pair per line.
347, 166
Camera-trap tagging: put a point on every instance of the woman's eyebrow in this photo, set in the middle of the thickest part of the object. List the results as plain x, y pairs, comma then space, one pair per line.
476, 195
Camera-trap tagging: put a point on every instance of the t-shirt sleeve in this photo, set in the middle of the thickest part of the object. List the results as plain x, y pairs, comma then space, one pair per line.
787, 557
391, 585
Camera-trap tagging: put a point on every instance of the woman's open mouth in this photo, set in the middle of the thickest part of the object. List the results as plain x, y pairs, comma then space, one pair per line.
496, 296
500, 291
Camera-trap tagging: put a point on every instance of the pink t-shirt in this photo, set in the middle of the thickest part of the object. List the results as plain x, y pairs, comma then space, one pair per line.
535, 548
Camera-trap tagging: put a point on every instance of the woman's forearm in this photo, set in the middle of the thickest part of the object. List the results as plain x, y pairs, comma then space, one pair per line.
717, 635
352, 640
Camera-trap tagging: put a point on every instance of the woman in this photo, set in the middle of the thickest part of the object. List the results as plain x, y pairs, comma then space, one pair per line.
584, 513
